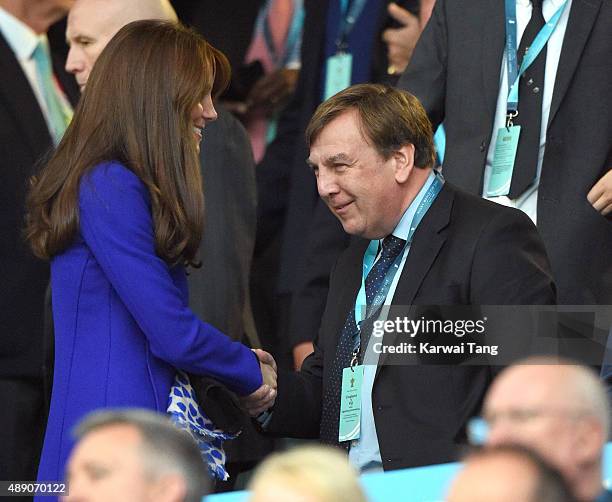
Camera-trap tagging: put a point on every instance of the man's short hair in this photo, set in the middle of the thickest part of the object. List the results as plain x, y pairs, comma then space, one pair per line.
550, 484
165, 448
390, 119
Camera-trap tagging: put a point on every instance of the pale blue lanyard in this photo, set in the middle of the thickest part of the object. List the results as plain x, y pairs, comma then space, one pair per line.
511, 51
349, 17
370, 256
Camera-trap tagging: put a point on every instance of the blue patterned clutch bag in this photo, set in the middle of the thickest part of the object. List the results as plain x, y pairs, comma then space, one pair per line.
186, 414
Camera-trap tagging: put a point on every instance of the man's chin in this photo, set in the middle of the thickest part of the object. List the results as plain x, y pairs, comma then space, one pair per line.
351, 229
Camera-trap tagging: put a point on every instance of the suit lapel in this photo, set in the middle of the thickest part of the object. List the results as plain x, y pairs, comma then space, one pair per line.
18, 96
493, 41
581, 19
351, 281
426, 244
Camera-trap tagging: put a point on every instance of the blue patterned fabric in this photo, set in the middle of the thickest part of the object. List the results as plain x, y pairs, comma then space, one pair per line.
186, 414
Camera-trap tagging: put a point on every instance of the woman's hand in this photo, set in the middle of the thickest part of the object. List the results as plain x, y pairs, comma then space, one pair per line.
264, 397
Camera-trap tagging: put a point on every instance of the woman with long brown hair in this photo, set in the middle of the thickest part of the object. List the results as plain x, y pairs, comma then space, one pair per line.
119, 211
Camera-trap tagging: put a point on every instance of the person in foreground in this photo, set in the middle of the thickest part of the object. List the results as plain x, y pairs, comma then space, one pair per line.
371, 150
508, 474
306, 474
118, 210
134, 455
560, 410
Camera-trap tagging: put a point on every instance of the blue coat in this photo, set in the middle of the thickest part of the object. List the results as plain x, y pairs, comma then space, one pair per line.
122, 321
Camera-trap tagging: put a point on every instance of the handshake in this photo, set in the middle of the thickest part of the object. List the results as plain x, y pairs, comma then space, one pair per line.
263, 398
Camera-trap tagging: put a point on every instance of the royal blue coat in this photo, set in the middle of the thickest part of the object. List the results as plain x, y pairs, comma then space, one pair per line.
122, 321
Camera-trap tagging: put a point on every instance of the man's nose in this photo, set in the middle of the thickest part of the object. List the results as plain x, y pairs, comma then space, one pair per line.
326, 183
73, 63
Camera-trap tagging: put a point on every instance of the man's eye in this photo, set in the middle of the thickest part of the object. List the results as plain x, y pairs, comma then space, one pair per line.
83, 42
97, 472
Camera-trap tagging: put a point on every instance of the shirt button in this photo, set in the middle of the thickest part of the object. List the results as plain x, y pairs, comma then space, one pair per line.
483, 145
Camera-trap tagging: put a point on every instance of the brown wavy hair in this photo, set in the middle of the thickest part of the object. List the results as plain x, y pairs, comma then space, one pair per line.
136, 110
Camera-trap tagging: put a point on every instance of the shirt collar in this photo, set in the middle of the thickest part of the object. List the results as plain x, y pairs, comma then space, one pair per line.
403, 227
555, 3
20, 37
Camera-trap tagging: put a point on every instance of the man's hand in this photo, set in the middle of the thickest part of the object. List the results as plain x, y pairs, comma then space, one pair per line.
401, 41
265, 358
263, 398
301, 352
272, 91
600, 196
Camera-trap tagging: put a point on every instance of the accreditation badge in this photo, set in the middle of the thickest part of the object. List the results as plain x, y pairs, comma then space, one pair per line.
503, 161
350, 403
338, 73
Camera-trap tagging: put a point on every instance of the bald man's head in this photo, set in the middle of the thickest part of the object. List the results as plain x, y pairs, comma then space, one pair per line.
92, 23
508, 474
559, 410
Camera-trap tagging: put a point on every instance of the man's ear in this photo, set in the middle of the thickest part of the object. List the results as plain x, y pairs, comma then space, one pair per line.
169, 488
404, 162
590, 436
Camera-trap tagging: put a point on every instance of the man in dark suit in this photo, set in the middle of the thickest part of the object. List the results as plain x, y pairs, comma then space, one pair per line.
455, 72
417, 241
287, 194
26, 134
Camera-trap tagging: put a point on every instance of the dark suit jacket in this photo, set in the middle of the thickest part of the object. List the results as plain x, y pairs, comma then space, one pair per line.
455, 73
24, 139
465, 251
218, 292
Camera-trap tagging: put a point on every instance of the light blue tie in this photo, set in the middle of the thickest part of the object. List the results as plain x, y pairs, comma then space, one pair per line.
59, 114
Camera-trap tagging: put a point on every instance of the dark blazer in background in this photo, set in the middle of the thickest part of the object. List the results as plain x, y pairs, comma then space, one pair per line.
455, 73
465, 251
218, 291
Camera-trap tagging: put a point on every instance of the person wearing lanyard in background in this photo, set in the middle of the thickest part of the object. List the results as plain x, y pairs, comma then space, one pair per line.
557, 169
417, 241
287, 193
